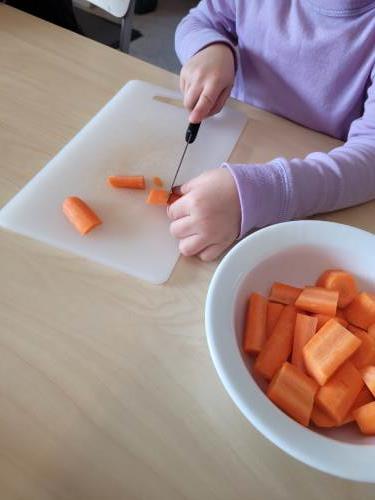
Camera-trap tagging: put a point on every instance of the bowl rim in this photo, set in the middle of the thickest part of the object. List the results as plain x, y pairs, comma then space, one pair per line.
308, 447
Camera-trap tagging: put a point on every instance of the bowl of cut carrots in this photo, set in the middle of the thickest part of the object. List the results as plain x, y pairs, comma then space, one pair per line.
290, 324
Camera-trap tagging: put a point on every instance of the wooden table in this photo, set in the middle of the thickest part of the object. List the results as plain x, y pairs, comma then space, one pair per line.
106, 384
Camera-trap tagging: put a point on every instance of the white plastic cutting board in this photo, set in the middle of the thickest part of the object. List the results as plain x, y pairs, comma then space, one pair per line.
132, 134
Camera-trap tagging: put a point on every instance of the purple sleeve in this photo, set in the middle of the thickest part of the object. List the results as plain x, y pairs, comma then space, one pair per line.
212, 21
286, 189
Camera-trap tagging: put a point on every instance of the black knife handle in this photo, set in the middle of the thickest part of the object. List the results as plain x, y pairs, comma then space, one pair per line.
192, 132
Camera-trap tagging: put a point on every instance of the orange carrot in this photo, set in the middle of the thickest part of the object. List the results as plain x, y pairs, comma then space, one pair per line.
361, 311
273, 313
320, 419
323, 318
340, 313
283, 293
363, 398
173, 197
293, 392
365, 418
329, 348
83, 218
278, 346
255, 324
157, 182
318, 300
127, 181
371, 331
342, 282
368, 375
337, 396
365, 354
304, 329
158, 197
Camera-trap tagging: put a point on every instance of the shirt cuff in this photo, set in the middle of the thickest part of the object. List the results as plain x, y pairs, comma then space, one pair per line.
264, 193
203, 39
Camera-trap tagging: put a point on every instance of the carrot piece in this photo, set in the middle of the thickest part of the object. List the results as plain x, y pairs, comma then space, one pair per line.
337, 396
158, 197
371, 331
318, 300
320, 419
157, 182
329, 348
340, 313
365, 418
368, 375
283, 293
304, 329
363, 398
173, 197
273, 313
342, 282
255, 324
361, 311
278, 346
127, 181
293, 392
323, 318
365, 354
83, 218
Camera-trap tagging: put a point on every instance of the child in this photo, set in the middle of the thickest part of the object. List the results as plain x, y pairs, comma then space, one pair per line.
311, 61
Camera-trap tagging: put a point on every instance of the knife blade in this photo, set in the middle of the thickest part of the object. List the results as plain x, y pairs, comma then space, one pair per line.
190, 136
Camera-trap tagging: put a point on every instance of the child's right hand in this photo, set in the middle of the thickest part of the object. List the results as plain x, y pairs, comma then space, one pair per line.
206, 81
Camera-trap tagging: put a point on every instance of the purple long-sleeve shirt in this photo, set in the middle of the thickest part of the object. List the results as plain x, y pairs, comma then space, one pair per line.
312, 61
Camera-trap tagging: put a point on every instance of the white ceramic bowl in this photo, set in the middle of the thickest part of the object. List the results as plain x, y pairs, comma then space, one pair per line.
295, 253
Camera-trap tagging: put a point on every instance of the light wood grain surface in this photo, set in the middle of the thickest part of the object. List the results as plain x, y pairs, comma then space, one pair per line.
107, 390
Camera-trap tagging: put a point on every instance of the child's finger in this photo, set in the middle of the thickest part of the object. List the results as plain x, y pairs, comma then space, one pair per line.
192, 96
212, 252
178, 209
182, 228
192, 245
202, 108
182, 84
221, 100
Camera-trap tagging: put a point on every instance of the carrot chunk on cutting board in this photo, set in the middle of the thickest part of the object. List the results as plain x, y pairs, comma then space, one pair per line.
278, 346
284, 293
368, 376
365, 354
158, 197
293, 392
361, 311
365, 418
342, 282
304, 329
318, 300
363, 398
157, 182
127, 181
337, 396
329, 348
255, 324
273, 313
83, 218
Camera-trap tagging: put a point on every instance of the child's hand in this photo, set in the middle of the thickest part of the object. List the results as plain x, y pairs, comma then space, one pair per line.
206, 81
207, 218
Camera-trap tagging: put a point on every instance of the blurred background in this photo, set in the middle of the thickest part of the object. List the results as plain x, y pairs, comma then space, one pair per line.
143, 28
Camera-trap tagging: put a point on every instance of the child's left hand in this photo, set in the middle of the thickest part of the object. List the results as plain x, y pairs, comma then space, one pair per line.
207, 218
